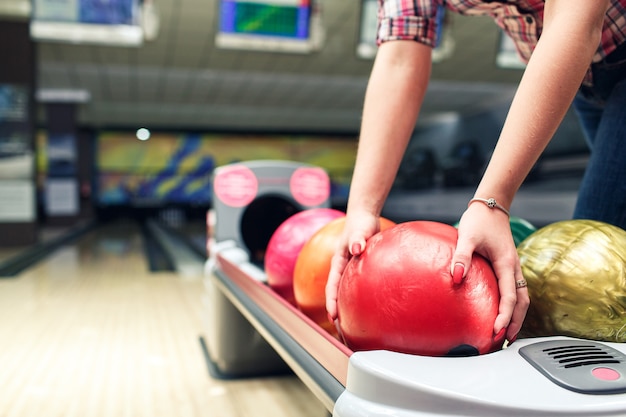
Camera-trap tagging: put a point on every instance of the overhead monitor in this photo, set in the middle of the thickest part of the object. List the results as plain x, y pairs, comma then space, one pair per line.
506, 55
105, 22
269, 25
366, 48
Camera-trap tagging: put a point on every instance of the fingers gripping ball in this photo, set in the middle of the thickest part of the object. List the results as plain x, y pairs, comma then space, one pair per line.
399, 295
312, 269
576, 273
285, 245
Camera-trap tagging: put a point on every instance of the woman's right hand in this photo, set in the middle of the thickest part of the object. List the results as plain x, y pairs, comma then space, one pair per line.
359, 227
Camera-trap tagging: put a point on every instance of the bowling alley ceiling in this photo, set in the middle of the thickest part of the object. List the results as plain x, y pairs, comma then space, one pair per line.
182, 80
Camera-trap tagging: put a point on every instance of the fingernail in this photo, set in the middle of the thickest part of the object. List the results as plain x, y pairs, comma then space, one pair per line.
356, 248
513, 339
500, 334
330, 318
457, 274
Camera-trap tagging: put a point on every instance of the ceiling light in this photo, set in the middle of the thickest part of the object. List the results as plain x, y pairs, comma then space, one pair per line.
143, 133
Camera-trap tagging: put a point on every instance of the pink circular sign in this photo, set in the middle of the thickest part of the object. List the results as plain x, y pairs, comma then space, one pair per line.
310, 186
236, 186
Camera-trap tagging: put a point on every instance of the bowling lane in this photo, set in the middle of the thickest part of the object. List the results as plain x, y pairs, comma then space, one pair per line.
8, 253
89, 331
45, 235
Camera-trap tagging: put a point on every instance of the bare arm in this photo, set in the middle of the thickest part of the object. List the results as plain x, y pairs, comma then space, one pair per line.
571, 35
394, 96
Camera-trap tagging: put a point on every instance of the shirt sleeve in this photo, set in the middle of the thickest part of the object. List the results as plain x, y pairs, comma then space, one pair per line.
415, 20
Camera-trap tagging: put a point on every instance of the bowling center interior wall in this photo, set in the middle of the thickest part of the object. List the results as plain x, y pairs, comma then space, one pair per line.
115, 170
176, 168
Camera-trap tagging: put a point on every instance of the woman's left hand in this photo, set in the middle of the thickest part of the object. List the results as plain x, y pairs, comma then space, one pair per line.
487, 231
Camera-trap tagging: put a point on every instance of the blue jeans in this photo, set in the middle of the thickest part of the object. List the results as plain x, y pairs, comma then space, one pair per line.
602, 114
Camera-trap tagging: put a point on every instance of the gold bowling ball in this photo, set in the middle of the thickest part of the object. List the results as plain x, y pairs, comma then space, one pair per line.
576, 273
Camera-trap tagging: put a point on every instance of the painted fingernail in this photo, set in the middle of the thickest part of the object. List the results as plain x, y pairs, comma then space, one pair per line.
330, 318
457, 274
356, 248
500, 334
513, 339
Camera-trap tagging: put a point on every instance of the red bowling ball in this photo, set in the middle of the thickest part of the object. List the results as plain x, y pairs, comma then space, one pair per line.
399, 295
285, 245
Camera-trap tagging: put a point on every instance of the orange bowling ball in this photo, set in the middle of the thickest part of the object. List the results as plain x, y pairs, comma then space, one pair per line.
312, 267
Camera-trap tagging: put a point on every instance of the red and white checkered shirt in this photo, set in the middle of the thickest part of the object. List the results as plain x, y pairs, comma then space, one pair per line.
522, 20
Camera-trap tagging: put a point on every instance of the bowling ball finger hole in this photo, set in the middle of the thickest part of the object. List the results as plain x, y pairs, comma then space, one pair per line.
462, 351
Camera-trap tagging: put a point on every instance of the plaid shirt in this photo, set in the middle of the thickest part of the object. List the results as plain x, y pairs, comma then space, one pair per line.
522, 20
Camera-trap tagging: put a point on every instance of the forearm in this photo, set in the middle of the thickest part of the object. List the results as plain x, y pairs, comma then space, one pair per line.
545, 93
394, 96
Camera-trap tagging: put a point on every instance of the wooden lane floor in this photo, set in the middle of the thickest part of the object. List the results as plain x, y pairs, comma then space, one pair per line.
89, 332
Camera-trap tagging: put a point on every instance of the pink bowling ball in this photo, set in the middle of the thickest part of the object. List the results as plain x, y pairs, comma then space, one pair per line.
285, 244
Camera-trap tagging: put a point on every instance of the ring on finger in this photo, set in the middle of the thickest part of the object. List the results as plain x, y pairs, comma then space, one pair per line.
521, 283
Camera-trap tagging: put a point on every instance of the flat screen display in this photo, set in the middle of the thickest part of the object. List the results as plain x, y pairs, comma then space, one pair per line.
506, 55
273, 25
288, 20
107, 22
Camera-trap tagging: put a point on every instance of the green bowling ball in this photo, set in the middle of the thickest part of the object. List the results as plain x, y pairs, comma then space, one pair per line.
520, 229
576, 274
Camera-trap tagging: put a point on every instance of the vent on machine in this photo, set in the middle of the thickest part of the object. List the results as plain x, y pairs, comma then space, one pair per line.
571, 356
586, 367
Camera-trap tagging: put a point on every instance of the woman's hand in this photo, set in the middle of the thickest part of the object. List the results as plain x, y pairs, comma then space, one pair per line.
487, 232
359, 227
